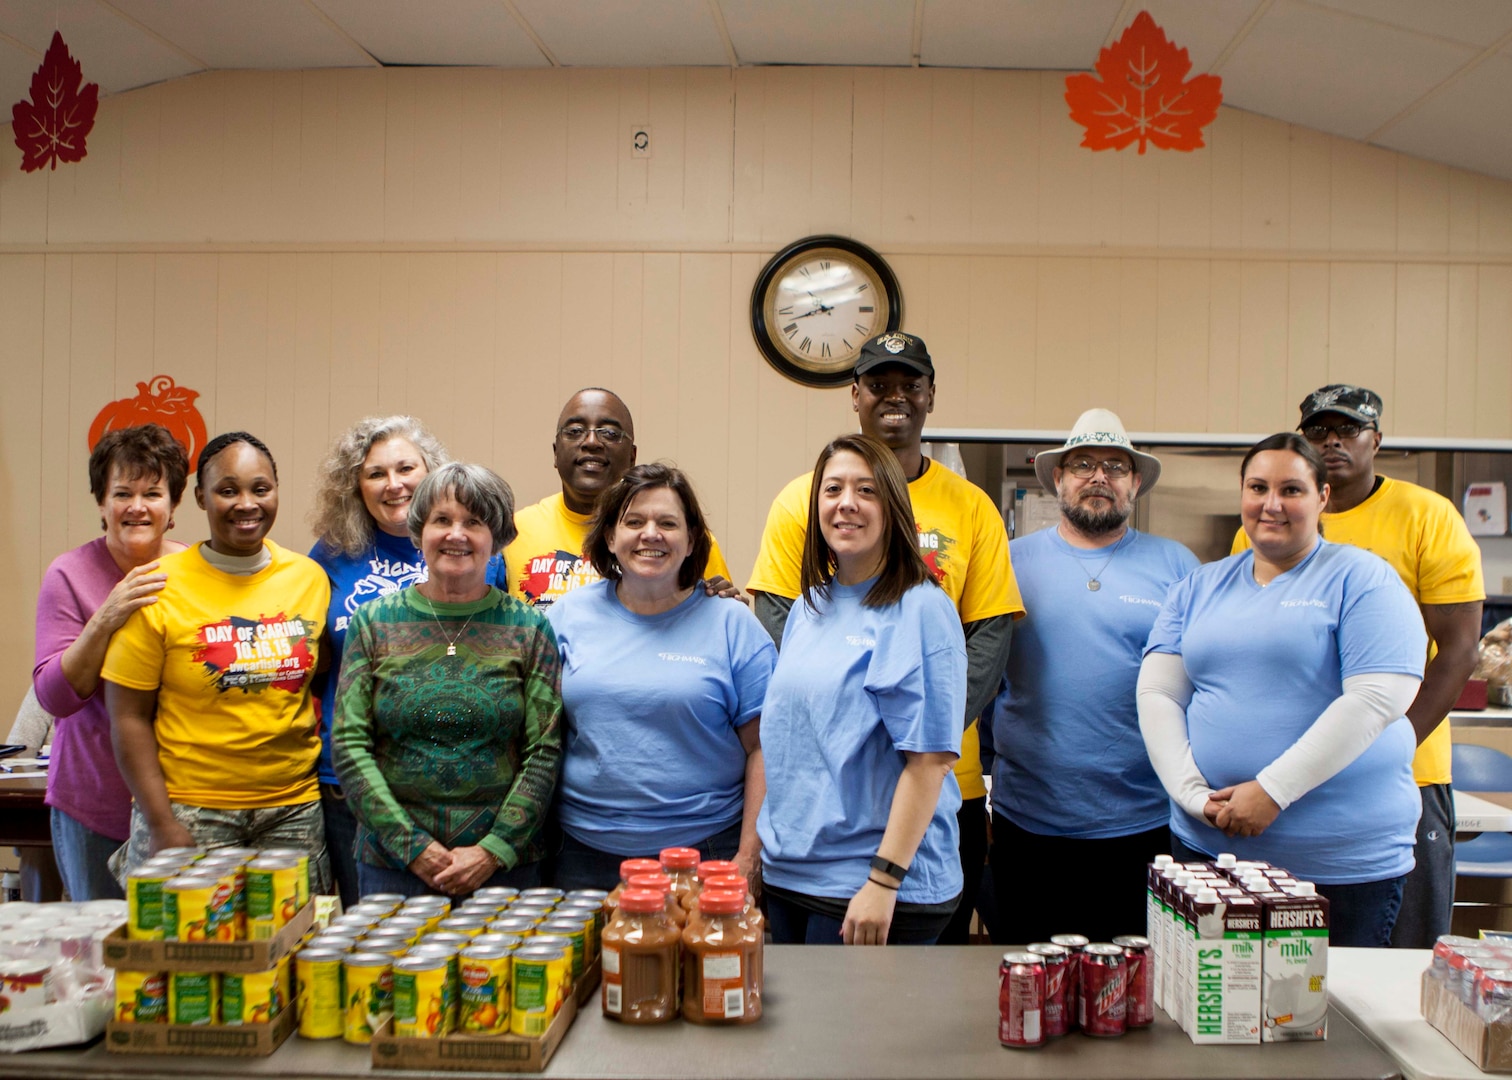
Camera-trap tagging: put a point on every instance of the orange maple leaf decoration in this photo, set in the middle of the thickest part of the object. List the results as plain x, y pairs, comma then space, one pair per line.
1142, 96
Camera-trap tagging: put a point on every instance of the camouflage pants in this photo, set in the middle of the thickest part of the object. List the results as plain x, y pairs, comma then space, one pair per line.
299, 826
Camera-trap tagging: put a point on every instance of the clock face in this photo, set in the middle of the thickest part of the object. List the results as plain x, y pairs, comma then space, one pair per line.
818, 304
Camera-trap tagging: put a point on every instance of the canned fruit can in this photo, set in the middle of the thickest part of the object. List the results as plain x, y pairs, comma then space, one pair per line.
1102, 1008
141, 997
513, 924
369, 989
249, 998
542, 981
1021, 1000
575, 930
423, 997
1140, 1011
144, 901
302, 879
193, 909
484, 990
319, 997
272, 891
193, 997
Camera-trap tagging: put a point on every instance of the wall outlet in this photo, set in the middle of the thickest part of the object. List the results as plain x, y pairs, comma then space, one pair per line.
640, 140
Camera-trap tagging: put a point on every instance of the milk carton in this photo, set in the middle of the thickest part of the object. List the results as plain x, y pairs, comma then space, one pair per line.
1295, 992
1155, 922
1224, 970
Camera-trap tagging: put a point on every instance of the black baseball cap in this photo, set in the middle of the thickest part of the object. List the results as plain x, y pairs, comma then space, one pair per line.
895, 347
1355, 402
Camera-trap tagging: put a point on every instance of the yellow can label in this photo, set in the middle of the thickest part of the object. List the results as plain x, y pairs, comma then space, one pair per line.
144, 906
485, 995
194, 997
319, 998
369, 1001
249, 998
424, 1003
272, 900
202, 912
538, 989
141, 997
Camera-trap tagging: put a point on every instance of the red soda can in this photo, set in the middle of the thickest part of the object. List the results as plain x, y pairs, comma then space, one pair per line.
1141, 975
1103, 1005
1058, 1006
1021, 1000
1073, 944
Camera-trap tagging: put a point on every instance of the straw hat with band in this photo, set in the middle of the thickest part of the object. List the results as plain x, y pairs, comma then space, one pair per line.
1097, 427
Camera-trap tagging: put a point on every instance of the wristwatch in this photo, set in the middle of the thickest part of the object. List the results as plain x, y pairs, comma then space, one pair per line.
892, 869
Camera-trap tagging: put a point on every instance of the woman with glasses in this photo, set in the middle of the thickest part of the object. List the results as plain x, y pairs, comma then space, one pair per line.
1272, 695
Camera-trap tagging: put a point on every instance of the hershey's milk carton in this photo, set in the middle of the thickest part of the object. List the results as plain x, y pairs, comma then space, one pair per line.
1155, 917
1224, 970
1295, 992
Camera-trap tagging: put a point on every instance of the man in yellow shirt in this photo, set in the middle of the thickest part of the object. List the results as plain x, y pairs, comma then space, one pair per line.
1426, 541
961, 537
594, 446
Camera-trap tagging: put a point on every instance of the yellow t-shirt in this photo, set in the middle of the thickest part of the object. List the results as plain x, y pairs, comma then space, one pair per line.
231, 658
1426, 541
545, 561
961, 537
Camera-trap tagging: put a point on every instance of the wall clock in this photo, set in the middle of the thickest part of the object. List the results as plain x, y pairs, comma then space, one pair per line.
817, 302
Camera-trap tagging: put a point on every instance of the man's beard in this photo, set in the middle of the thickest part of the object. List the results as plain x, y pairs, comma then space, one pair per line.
1091, 523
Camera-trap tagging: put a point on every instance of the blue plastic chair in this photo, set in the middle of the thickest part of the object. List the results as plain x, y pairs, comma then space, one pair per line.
1480, 768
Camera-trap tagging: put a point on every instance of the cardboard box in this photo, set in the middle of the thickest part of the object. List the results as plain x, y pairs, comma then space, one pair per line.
1489, 1046
55, 1025
473, 1053
237, 957
219, 1040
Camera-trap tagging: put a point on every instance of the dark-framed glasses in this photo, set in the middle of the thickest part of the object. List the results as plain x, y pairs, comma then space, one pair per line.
609, 436
1113, 468
1346, 430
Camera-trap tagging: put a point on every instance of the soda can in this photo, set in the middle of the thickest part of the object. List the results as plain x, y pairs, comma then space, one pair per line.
249, 998
144, 900
272, 892
1073, 944
141, 997
1141, 979
542, 981
302, 879
320, 998
1021, 1000
1102, 1007
192, 909
1059, 1007
423, 997
369, 989
483, 985
194, 998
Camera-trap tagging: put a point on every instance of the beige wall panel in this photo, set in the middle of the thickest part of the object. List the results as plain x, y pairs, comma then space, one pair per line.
1225, 303
1139, 299
1495, 211
527, 393
23, 203
1362, 326
444, 126
190, 166
832, 157
634, 101
357, 180
1464, 212
1422, 206
1000, 381
703, 447
587, 357
789, 145
1308, 307
594, 151
626, 353
283, 364
905, 152
320, 168
141, 123
1181, 358
186, 301
1105, 207
294, 209
22, 558
1065, 169
656, 409
782, 443
1422, 342
135, 321
393, 334
1005, 156
749, 153
59, 457
1225, 136
472, 358
311, 437
951, 144
1493, 362
1309, 200
1265, 399
1095, 382
243, 392
534, 170
1065, 310
1265, 194
356, 334
868, 104
745, 509
1362, 206
1460, 361
246, 203
1185, 196
84, 199
708, 147
950, 343
480, 156
1138, 201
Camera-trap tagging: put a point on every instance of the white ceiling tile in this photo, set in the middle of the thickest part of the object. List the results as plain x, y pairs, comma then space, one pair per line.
265, 34
629, 33
1325, 70
1043, 34
871, 33
111, 51
1476, 22
439, 32
1465, 125
1203, 28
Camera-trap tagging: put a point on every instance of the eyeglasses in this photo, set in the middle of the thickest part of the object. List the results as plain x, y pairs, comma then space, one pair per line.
609, 436
1113, 469
1346, 430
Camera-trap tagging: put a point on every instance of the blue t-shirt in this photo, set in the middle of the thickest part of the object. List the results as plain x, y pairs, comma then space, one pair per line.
1070, 758
854, 688
652, 758
391, 564
1264, 663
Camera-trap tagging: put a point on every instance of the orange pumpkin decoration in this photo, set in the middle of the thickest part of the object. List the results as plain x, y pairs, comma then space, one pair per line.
158, 401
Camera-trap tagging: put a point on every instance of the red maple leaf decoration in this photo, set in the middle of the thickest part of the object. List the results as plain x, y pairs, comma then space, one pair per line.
52, 126
1142, 96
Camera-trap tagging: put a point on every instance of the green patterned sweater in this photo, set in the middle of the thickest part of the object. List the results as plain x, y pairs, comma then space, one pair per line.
460, 749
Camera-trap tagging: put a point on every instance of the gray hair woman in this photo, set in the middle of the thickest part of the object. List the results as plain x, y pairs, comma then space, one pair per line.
363, 496
447, 733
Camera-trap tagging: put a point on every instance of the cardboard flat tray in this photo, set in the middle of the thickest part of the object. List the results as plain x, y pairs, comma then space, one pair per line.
237, 957
218, 1040
1489, 1046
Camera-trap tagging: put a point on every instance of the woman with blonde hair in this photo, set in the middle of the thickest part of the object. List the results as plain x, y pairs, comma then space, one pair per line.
362, 499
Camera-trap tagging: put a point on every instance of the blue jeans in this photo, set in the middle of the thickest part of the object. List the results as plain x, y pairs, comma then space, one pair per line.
341, 842
381, 879
1359, 916
794, 925
579, 866
82, 856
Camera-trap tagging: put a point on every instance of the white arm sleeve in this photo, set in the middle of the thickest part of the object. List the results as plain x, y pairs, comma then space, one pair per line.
1340, 734
1163, 695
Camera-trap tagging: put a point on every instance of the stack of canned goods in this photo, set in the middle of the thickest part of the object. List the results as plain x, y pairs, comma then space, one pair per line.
1478, 972
503, 962
1055, 987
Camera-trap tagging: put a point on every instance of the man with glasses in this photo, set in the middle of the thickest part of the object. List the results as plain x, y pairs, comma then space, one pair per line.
594, 446
1424, 538
1074, 797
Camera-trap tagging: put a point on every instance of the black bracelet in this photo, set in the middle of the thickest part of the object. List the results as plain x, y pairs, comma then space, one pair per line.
891, 869
884, 884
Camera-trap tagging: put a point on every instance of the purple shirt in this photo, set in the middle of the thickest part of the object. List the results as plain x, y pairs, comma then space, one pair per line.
82, 780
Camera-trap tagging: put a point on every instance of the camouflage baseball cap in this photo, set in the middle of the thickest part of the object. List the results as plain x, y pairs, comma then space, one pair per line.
1355, 402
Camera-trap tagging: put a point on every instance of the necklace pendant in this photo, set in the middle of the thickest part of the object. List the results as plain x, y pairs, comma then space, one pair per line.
1093, 585
451, 650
